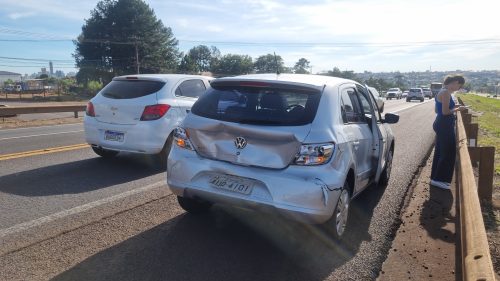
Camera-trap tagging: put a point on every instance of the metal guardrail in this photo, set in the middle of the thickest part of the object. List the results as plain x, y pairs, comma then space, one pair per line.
13, 110
476, 259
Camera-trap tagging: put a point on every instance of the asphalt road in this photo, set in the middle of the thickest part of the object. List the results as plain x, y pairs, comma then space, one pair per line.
74, 216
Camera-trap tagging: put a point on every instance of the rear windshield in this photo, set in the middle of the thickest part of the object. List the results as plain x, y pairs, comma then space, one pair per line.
129, 89
258, 105
415, 90
393, 89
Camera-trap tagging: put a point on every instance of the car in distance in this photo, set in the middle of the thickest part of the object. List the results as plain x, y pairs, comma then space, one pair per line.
300, 145
394, 93
378, 99
137, 113
427, 93
415, 94
404, 94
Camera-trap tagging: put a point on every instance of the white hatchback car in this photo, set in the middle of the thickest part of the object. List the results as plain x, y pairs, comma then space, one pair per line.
137, 113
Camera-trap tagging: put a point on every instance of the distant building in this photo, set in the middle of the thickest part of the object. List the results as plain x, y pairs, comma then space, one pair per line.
59, 74
44, 70
51, 67
6, 75
71, 74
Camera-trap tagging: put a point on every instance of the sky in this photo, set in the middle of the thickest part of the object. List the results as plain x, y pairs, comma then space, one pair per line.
358, 35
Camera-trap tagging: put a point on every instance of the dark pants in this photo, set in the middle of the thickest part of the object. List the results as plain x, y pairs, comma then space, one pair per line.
443, 163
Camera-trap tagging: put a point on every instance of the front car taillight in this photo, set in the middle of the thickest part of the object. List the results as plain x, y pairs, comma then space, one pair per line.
314, 154
154, 112
181, 139
90, 109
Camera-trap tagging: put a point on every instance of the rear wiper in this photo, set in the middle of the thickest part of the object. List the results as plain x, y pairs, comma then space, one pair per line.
111, 95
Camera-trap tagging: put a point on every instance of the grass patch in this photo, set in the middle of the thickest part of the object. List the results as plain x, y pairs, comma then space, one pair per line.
489, 122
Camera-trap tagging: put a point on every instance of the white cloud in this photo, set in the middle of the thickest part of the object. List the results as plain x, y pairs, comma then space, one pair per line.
16, 16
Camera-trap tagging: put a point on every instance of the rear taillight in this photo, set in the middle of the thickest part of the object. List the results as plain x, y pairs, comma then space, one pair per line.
181, 139
154, 112
90, 109
314, 154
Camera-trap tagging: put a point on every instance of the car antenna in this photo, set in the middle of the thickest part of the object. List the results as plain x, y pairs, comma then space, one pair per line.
276, 62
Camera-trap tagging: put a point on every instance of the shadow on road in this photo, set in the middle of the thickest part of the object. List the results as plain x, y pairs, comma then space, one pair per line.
230, 244
436, 214
79, 176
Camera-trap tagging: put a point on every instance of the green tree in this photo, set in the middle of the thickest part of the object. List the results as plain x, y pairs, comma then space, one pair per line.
347, 74
269, 64
199, 59
302, 66
116, 34
93, 87
43, 76
8, 82
232, 64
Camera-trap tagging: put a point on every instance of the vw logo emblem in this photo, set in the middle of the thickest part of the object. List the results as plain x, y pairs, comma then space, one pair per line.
240, 142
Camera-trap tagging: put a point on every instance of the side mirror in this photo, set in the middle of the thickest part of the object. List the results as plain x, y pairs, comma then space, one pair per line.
391, 118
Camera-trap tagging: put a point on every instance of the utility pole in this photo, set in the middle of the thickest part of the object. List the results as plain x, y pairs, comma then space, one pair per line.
137, 57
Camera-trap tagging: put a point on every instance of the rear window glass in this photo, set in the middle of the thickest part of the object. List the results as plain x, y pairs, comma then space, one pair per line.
129, 89
258, 105
415, 90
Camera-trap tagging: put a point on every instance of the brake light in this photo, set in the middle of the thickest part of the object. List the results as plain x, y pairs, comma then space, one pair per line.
314, 154
154, 112
253, 84
90, 109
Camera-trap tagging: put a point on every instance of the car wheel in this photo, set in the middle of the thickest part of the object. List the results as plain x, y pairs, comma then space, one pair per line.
106, 153
162, 156
193, 206
407, 100
422, 100
386, 173
337, 224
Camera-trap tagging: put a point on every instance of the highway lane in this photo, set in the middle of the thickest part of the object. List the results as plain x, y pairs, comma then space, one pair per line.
224, 245
33, 138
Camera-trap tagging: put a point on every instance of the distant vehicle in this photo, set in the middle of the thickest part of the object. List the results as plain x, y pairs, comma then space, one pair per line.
427, 93
137, 113
378, 99
435, 87
404, 94
394, 93
18, 88
415, 94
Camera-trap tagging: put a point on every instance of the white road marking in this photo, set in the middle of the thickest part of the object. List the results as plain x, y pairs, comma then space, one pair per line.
39, 135
36, 127
82, 208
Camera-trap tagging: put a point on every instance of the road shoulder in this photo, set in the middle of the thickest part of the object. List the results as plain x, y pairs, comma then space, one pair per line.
425, 244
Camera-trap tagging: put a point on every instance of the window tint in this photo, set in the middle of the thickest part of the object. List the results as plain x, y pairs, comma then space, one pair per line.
351, 112
191, 88
130, 89
258, 105
365, 104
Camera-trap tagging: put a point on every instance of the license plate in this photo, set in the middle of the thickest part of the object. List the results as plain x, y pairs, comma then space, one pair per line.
232, 183
113, 136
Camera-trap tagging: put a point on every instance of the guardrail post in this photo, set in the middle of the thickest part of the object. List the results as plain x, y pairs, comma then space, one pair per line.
467, 118
486, 168
76, 114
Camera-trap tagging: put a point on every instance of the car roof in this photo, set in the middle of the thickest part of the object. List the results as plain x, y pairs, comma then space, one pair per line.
318, 81
160, 77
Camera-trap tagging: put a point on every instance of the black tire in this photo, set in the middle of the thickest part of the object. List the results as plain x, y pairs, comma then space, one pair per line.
422, 100
106, 153
407, 100
337, 224
386, 173
162, 156
193, 206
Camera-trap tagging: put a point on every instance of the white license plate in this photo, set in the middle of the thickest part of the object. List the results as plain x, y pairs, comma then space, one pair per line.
232, 183
113, 136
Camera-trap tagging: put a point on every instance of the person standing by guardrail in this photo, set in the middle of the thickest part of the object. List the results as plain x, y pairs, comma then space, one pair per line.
445, 150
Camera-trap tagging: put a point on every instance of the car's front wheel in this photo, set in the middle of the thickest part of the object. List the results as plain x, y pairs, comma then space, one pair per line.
386, 173
106, 153
193, 206
337, 224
